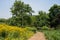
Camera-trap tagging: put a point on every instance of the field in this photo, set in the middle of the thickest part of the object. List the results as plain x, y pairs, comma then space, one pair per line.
14, 33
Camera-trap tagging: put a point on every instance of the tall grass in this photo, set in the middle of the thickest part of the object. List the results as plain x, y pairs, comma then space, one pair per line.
52, 34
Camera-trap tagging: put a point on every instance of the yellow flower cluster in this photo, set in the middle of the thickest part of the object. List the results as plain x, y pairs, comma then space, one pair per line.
22, 32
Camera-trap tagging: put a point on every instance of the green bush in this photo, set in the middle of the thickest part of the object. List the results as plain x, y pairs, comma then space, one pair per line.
45, 28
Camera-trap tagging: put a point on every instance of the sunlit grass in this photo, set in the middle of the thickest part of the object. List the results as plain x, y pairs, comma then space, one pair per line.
52, 34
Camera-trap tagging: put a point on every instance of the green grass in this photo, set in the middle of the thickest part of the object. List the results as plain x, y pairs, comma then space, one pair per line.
52, 34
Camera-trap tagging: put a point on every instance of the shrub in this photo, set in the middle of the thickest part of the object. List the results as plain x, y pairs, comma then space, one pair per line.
45, 28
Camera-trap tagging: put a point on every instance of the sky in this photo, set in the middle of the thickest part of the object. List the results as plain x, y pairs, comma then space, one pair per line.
37, 5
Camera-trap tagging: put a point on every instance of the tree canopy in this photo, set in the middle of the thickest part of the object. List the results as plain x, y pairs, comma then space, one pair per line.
21, 13
54, 13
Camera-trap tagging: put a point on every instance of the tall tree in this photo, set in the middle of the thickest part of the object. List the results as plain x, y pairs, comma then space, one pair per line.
20, 11
53, 12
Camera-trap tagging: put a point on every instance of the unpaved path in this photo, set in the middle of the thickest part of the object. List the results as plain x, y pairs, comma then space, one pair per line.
38, 36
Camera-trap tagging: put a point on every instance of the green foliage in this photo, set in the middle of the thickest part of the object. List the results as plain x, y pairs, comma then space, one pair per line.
21, 13
41, 19
45, 28
2, 20
4, 34
52, 34
54, 15
31, 29
16, 21
14, 34
20, 8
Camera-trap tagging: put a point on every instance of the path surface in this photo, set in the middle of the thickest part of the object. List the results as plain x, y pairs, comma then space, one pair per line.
38, 36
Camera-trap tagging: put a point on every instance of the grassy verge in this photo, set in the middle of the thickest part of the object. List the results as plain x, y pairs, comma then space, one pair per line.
52, 34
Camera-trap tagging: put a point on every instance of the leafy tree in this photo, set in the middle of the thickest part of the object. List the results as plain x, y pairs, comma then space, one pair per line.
54, 13
21, 13
41, 19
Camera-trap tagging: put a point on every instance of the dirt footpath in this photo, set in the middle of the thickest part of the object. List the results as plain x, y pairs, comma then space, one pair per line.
38, 36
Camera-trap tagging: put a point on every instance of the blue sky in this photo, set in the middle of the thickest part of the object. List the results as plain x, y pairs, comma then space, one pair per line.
37, 5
